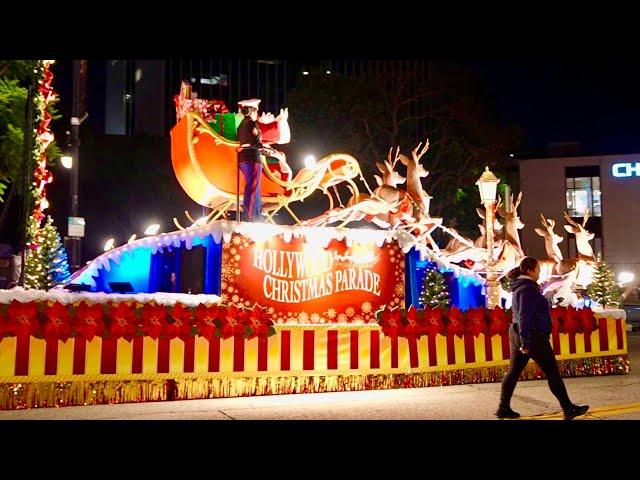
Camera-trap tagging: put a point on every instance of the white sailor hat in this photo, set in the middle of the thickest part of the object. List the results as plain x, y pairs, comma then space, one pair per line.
253, 102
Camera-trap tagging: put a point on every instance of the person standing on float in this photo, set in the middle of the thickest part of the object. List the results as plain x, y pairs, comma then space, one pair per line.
249, 159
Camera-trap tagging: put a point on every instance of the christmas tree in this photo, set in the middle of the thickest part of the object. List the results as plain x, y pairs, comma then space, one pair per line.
46, 259
434, 290
604, 289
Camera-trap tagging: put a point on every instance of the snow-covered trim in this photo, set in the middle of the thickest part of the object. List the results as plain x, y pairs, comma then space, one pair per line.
66, 297
616, 313
222, 230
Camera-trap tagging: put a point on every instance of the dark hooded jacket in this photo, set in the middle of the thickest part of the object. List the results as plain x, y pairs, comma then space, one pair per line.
530, 309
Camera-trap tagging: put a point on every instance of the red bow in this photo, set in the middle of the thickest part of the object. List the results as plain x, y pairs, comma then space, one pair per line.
455, 325
182, 322
413, 324
88, 322
557, 317
206, 318
498, 321
58, 322
571, 321
432, 321
154, 320
123, 321
391, 323
588, 320
476, 323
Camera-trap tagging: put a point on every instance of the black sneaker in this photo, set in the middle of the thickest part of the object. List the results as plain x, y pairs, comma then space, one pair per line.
575, 411
507, 413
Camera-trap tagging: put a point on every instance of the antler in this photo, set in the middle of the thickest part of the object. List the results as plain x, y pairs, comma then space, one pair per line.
515, 207
585, 217
569, 219
392, 165
547, 223
543, 219
418, 155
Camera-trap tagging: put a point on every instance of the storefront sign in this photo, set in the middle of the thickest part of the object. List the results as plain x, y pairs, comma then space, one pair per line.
623, 170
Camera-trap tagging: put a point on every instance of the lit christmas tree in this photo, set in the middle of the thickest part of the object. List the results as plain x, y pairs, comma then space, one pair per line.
46, 258
604, 289
434, 290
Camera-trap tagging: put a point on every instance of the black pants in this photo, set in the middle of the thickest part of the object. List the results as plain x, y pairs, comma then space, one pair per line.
541, 353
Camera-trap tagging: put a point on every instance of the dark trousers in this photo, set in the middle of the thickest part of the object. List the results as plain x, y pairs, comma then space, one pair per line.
541, 353
252, 202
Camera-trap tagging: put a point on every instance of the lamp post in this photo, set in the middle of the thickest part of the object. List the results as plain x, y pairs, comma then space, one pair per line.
488, 185
75, 141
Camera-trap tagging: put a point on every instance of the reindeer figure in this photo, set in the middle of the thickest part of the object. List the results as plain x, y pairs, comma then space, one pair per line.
512, 223
415, 171
387, 207
583, 236
551, 240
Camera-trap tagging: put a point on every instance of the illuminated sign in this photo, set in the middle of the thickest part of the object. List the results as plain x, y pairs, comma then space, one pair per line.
302, 281
623, 170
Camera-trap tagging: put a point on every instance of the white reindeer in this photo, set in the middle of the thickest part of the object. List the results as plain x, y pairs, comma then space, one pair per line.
512, 223
416, 171
385, 207
551, 240
583, 236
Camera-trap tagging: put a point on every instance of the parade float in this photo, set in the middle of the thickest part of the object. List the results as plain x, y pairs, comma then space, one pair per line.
221, 308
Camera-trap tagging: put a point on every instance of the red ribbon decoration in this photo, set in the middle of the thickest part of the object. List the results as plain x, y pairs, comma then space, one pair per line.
476, 323
455, 325
432, 322
498, 322
391, 323
413, 325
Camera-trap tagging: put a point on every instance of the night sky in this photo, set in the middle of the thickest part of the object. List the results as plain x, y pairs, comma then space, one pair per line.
596, 103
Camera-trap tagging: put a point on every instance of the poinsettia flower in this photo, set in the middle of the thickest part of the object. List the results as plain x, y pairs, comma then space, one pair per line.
205, 319
391, 323
413, 324
571, 321
476, 323
259, 322
154, 320
587, 320
57, 323
432, 320
455, 324
498, 321
88, 322
557, 317
123, 321
23, 318
182, 322
233, 322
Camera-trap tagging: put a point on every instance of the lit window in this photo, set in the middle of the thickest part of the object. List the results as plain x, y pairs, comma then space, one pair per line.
582, 193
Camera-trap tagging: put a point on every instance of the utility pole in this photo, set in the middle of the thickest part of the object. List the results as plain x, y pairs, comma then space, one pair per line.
79, 71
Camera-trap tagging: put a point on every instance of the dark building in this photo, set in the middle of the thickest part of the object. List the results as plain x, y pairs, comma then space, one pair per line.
139, 93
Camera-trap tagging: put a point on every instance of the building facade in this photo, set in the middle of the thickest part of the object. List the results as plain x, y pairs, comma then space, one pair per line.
608, 185
139, 93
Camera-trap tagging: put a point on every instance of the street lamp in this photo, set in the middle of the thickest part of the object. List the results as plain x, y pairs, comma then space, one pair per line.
488, 185
67, 161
